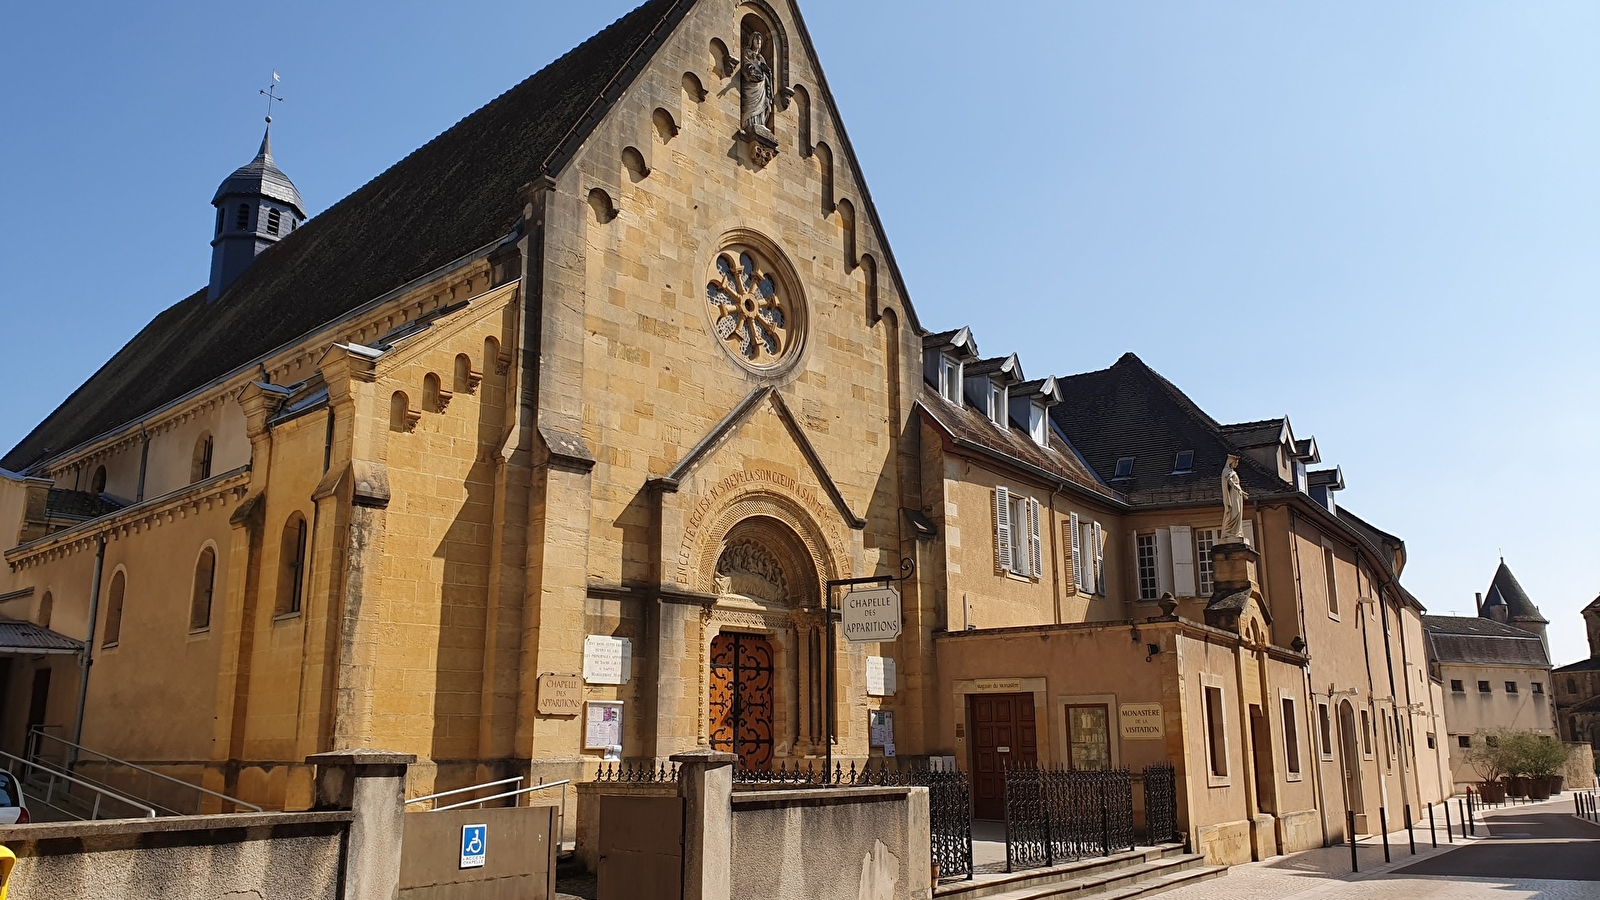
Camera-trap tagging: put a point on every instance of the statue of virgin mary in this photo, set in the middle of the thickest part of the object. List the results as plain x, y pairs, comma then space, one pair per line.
756, 89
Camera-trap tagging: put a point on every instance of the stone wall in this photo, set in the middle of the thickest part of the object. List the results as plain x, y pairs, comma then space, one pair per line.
832, 844
287, 856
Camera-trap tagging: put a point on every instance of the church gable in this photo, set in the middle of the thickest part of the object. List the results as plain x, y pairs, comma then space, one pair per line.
711, 238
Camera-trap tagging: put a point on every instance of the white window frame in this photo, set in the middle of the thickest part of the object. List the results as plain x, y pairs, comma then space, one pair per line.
1145, 566
1038, 424
1017, 541
1205, 574
997, 403
950, 379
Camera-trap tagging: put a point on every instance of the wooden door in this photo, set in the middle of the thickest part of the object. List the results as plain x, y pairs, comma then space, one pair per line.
741, 698
1003, 734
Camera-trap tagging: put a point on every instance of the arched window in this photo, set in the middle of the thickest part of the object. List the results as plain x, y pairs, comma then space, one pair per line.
466, 379
113, 627
274, 219
824, 155
292, 566
604, 209
241, 219
802, 112
200, 465
847, 219
401, 418
869, 268
434, 397
47, 605
491, 355
205, 583
97, 485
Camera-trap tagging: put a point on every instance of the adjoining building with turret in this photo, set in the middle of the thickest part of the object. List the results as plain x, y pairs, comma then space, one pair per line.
1495, 670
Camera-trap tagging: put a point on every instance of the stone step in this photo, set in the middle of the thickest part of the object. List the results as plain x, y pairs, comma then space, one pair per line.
1121, 884
1082, 877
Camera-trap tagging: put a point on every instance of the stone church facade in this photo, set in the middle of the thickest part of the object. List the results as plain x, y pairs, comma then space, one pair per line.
622, 365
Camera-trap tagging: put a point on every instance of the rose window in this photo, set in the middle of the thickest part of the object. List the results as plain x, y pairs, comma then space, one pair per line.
747, 313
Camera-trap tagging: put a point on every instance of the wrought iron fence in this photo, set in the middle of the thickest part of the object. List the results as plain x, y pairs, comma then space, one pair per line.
1161, 803
637, 773
949, 801
1056, 815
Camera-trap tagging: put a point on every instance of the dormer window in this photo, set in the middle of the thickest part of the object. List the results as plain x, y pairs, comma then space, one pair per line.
950, 379
1184, 464
997, 403
1038, 428
1124, 468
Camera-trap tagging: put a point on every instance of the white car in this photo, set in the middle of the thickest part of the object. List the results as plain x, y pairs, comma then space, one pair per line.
13, 806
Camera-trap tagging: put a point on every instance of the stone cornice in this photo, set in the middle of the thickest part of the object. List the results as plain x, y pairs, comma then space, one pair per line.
222, 489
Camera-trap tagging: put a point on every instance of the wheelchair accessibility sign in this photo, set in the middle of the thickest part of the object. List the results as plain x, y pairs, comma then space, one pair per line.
474, 845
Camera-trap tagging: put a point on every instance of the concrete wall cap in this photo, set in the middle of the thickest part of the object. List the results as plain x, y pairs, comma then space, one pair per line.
361, 757
705, 757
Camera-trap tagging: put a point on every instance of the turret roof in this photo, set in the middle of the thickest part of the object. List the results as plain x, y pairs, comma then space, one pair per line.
1505, 589
260, 177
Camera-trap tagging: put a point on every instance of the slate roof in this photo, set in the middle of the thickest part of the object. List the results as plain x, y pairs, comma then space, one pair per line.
1469, 640
455, 195
261, 176
1255, 434
1130, 410
1582, 665
1504, 588
70, 504
967, 424
30, 638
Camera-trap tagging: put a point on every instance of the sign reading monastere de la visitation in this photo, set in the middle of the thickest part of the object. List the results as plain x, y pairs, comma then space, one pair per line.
872, 615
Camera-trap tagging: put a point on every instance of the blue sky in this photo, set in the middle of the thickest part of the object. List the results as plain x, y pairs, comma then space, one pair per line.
1380, 219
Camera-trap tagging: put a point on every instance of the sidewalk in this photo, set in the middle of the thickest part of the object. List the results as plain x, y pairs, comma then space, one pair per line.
1325, 874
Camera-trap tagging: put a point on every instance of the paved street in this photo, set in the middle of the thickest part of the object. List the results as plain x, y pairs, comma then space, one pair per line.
1537, 850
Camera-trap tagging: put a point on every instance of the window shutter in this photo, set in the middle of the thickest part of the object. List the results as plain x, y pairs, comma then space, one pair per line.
1076, 543
1035, 547
1183, 561
1133, 555
1099, 559
1164, 562
1249, 532
1002, 530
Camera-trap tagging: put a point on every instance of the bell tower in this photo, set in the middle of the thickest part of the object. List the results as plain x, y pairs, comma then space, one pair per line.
257, 206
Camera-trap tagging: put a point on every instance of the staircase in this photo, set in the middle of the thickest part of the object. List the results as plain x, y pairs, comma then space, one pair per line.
1135, 873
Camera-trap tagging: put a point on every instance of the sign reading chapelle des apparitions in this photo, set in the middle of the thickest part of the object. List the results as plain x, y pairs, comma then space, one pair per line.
1141, 722
872, 615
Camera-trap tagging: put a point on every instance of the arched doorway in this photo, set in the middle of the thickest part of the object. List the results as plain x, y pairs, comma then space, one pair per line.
1350, 758
764, 646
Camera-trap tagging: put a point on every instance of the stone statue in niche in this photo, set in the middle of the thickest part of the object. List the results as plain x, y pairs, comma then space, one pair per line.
749, 569
757, 94
1232, 503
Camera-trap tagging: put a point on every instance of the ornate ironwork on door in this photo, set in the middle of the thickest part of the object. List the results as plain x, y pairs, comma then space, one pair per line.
741, 698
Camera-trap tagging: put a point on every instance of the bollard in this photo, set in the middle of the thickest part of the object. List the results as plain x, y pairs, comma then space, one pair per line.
1472, 819
1410, 838
1383, 826
1433, 832
1350, 830
1449, 829
1461, 807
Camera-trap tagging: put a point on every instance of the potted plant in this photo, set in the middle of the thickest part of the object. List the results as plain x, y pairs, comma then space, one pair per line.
1488, 759
1545, 758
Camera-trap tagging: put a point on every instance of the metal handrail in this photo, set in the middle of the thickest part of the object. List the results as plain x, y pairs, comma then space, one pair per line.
78, 749
527, 790
53, 773
486, 784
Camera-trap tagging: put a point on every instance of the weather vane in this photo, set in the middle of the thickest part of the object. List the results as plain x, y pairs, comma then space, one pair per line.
271, 93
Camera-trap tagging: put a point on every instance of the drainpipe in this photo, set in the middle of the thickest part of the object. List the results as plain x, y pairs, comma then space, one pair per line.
1394, 701
1321, 792
144, 460
86, 658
